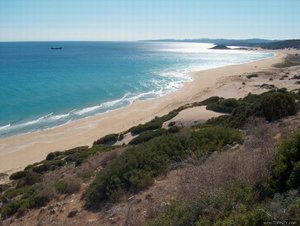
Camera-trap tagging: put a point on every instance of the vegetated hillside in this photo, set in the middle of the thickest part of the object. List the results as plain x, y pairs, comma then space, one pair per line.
263, 43
282, 44
237, 194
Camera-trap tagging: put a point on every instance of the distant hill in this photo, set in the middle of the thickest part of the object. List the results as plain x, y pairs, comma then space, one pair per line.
255, 42
220, 47
283, 44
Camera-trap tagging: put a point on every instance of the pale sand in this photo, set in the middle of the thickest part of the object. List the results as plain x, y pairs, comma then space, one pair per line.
191, 116
18, 151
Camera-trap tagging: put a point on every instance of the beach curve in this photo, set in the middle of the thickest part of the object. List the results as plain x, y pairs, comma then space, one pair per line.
18, 151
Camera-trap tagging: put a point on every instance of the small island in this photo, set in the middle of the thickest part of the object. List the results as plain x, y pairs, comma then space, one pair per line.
220, 47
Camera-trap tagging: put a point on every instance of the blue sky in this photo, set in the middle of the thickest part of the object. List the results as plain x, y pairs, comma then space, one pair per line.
30, 20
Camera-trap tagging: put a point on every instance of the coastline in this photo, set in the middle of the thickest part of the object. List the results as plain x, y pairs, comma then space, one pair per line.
18, 151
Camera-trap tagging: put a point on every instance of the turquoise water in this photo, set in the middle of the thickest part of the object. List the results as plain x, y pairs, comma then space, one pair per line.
42, 88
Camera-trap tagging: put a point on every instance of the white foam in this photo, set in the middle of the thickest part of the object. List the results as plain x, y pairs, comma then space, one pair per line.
5, 127
101, 106
34, 121
87, 110
57, 117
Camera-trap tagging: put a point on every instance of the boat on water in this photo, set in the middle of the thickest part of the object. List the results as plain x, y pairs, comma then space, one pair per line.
56, 48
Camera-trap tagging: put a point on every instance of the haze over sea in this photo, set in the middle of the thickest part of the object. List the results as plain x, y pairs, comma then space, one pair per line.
43, 88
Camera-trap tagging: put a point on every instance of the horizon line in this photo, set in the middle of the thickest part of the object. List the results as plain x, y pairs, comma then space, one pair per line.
181, 39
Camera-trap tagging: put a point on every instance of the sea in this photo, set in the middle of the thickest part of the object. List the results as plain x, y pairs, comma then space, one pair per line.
42, 87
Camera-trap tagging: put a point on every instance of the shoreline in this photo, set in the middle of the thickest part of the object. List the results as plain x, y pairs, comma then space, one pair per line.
18, 151
82, 111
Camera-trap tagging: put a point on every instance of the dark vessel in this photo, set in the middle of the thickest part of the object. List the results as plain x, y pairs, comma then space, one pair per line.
56, 48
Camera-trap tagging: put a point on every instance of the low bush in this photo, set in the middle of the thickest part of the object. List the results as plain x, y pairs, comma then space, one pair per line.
171, 124
240, 116
276, 105
223, 105
286, 63
146, 136
28, 197
270, 105
286, 169
252, 76
174, 129
135, 169
61, 186
154, 124
110, 139
31, 191
17, 175
68, 185
208, 139
73, 184
211, 100
50, 156
233, 206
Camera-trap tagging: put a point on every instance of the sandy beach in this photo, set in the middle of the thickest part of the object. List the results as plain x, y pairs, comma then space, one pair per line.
18, 151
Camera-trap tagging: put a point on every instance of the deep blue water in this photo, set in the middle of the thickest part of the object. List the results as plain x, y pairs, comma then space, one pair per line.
42, 88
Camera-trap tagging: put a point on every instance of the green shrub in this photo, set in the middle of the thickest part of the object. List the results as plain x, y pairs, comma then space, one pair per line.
110, 139
179, 215
67, 186
134, 169
223, 105
20, 199
251, 98
285, 63
30, 179
211, 100
17, 175
77, 157
146, 136
61, 186
285, 172
276, 105
25, 178
14, 192
244, 217
75, 150
222, 120
240, 115
50, 156
154, 124
270, 105
174, 129
252, 76
233, 206
29, 193
40, 168
171, 124
207, 139
284, 206
10, 209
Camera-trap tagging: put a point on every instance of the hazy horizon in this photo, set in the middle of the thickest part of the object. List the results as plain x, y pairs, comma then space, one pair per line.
134, 20
145, 40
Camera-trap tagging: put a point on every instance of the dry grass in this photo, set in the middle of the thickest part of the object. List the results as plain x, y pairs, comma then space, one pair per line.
73, 184
95, 163
248, 164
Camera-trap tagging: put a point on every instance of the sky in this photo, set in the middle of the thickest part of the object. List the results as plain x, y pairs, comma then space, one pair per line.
124, 20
